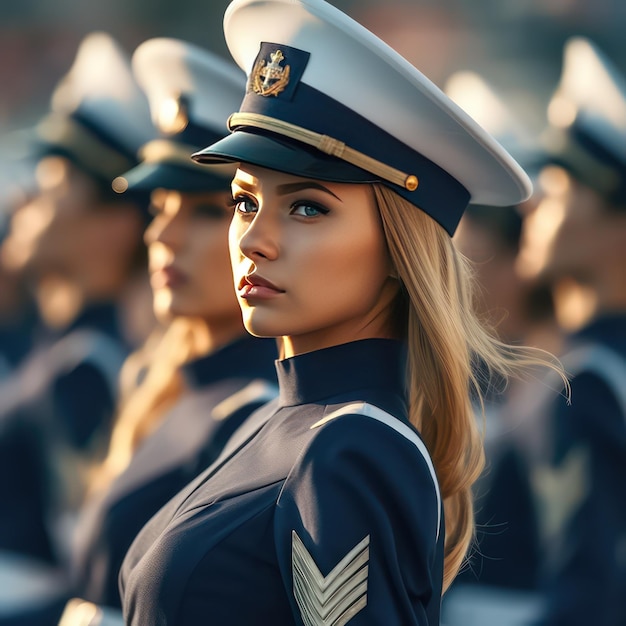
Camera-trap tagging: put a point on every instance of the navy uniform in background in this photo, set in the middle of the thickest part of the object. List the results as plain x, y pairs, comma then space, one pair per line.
191, 93
580, 468
324, 508
499, 582
84, 259
575, 456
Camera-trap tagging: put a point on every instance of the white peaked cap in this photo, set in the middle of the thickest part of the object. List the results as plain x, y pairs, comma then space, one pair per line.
345, 83
191, 93
587, 119
168, 69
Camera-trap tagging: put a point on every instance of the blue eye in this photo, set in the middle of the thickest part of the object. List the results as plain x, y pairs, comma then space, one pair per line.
244, 205
308, 209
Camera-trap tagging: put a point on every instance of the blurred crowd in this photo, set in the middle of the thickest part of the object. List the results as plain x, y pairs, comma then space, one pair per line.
121, 343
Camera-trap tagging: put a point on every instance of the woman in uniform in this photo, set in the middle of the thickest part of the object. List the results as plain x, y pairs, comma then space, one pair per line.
351, 501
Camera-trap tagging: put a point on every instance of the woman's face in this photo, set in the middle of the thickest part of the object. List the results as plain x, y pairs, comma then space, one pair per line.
53, 231
188, 256
309, 260
570, 233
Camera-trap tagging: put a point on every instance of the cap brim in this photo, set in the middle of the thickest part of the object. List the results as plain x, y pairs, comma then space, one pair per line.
151, 176
278, 153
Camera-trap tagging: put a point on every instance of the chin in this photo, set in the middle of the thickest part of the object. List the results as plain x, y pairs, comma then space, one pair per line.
259, 326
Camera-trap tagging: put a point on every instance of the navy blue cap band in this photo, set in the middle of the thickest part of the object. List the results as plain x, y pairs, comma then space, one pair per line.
438, 193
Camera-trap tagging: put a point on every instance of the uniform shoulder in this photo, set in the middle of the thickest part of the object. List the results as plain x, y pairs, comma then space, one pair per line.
371, 419
362, 433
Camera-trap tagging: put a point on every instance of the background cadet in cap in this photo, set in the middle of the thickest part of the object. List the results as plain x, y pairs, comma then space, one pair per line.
205, 374
80, 247
498, 585
576, 453
18, 314
353, 170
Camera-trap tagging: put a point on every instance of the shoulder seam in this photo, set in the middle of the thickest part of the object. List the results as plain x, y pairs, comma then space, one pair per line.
371, 411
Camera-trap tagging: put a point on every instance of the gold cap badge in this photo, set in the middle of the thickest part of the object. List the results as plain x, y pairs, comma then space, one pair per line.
270, 79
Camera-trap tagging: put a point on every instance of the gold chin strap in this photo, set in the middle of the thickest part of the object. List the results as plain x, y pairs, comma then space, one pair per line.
325, 144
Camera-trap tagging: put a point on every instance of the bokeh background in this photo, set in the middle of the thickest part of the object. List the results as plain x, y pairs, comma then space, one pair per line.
515, 44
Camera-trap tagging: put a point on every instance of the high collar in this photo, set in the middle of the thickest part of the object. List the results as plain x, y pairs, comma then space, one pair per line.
246, 357
375, 365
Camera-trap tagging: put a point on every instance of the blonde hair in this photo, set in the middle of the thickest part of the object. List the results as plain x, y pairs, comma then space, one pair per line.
445, 340
151, 382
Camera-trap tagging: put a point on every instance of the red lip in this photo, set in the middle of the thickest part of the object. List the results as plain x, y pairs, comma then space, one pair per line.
253, 286
167, 277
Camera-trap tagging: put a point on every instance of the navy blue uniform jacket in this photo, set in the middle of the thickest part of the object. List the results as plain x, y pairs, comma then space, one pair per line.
58, 405
323, 509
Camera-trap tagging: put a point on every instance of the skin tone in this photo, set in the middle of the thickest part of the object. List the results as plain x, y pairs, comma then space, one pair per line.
573, 235
309, 260
189, 264
72, 245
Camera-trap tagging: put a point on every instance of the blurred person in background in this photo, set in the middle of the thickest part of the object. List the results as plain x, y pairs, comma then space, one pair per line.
207, 374
79, 245
576, 454
203, 374
18, 314
497, 585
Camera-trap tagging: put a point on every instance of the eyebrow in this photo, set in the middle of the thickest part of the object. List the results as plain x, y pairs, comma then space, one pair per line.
286, 188
243, 184
293, 187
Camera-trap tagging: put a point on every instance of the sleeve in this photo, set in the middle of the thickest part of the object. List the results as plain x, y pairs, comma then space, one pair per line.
584, 507
357, 529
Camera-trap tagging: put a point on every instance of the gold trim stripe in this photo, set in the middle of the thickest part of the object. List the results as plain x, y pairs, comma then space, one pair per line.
325, 144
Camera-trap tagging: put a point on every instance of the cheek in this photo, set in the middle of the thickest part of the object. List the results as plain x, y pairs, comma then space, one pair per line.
209, 261
234, 236
346, 272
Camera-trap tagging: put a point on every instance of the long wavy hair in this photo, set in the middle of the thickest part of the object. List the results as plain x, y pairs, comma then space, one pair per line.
446, 340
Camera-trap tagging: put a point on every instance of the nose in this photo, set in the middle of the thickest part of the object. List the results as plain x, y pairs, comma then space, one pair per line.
257, 237
166, 228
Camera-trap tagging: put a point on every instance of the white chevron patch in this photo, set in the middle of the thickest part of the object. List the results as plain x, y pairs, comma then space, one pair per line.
335, 599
